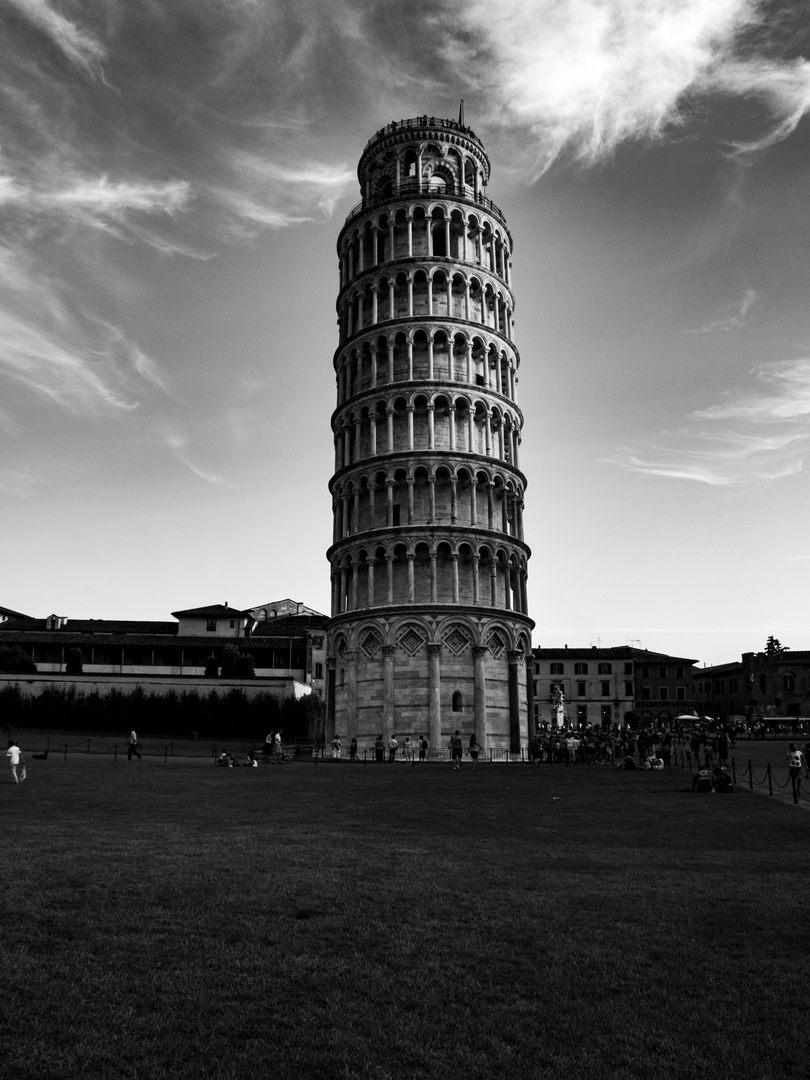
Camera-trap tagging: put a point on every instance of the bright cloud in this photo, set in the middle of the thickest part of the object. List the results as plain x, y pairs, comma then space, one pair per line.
731, 315
762, 433
587, 75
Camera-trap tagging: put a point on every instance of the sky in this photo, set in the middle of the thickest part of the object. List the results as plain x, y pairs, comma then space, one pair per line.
173, 178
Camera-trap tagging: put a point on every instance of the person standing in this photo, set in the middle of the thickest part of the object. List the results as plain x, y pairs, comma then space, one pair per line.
456, 749
423, 748
796, 764
393, 746
277, 749
267, 749
407, 749
133, 746
16, 761
379, 748
336, 748
353, 750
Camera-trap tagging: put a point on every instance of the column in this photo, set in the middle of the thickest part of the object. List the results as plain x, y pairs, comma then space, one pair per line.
410, 235
453, 500
410, 482
487, 430
447, 236
390, 414
330, 699
430, 355
389, 511
480, 695
374, 305
493, 583
476, 595
410, 296
355, 578
454, 561
390, 362
370, 582
411, 559
409, 409
390, 560
474, 501
410, 361
433, 580
432, 491
515, 664
435, 695
388, 692
372, 509
452, 415
350, 661
469, 351
431, 427
372, 431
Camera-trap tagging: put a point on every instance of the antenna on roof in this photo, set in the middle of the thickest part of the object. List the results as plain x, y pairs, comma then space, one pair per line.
461, 114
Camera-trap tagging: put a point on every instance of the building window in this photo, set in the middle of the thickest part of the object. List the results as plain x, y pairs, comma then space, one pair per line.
211, 626
680, 693
789, 682
645, 672
582, 715
317, 643
580, 669
628, 667
605, 669
319, 671
232, 623
628, 689
662, 672
646, 693
605, 689
663, 693
606, 716
762, 684
458, 701
395, 512
556, 669
581, 692
679, 671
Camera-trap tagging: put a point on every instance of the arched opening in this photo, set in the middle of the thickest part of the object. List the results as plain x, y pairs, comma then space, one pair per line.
458, 701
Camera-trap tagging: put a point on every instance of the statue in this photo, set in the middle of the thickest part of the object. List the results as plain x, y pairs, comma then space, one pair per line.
557, 708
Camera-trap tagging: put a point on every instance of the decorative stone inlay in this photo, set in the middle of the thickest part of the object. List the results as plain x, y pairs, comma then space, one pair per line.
496, 644
411, 640
370, 643
456, 640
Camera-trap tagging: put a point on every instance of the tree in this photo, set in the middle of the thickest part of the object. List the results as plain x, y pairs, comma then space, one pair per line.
211, 667
16, 661
74, 662
773, 646
230, 662
244, 666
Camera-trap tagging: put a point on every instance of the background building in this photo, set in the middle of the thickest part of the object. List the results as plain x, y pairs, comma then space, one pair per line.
758, 685
612, 686
430, 628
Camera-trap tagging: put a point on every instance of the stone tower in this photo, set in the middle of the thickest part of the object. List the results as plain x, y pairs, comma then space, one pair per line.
429, 627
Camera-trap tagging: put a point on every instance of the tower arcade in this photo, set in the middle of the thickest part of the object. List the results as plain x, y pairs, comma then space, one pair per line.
429, 627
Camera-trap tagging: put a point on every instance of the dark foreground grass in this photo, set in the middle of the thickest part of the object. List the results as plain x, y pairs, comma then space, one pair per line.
346, 921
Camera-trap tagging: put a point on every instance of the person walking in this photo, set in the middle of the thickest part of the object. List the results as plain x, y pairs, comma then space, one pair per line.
353, 750
393, 746
16, 761
267, 749
277, 748
796, 765
473, 749
133, 746
456, 749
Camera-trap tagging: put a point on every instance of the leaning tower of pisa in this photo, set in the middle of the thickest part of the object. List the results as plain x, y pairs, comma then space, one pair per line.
429, 627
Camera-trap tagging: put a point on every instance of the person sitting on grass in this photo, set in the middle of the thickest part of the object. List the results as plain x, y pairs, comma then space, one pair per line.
656, 762
702, 782
628, 764
722, 781
250, 760
225, 760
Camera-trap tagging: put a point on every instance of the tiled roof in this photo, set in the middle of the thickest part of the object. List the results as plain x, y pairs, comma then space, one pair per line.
289, 624
13, 614
71, 639
210, 611
617, 652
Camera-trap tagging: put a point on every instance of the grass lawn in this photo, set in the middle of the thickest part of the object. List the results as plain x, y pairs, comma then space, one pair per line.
181, 920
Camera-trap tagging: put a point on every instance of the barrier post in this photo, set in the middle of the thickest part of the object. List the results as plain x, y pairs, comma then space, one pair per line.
770, 781
116, 752
165, 754
750, 776
65, 751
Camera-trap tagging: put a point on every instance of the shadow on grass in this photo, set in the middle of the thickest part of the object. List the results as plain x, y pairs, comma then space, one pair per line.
341, 921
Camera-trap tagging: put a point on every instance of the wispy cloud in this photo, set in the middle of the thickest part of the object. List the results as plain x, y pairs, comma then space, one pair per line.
587, 75
761, 433
731, 315
80, 46
177, 444
17, 483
